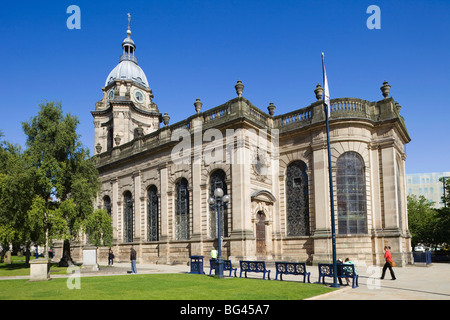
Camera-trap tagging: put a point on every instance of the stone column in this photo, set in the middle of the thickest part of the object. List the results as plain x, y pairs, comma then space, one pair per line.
392, 235
196, 169
242, 238
377, 220
322, 233
389, 187
164, 216
115, 206
137, 206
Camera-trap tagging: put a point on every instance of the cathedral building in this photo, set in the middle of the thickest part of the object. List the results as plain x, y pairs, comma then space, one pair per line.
157, 176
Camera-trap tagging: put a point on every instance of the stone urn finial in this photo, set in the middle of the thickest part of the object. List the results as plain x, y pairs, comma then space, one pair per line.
166, 119
117, 139
319, 92
198, 105
139, 131
385, 88
271, 108
98, 147
239, 88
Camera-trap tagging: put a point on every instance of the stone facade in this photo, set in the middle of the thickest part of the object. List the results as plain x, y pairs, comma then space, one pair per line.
157, 178
255, 177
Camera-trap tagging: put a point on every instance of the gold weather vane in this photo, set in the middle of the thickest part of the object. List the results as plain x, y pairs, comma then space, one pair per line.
129, 21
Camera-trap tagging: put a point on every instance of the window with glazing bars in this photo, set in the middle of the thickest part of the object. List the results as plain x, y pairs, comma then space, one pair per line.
351, 194
152, 213
297, 212
182, 210
217, 180
128, 216
107, 205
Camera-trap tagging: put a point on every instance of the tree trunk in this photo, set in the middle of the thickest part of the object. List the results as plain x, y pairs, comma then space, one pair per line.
27, 254
66, 259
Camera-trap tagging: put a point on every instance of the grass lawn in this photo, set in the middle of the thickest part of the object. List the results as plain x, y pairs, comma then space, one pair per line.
160, 287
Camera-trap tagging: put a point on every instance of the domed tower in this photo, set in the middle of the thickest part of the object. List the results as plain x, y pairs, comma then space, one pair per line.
126, 110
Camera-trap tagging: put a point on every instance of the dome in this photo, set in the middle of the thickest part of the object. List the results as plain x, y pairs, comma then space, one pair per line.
127, 70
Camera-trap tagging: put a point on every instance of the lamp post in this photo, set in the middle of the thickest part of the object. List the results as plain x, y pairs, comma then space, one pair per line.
218, 202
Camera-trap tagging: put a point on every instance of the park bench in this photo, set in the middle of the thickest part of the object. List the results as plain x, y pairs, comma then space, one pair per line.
226, 266
294, 268
254, 266
343, 271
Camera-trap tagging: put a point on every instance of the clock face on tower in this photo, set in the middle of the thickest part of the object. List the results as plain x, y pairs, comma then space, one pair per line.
111, 94
139, 96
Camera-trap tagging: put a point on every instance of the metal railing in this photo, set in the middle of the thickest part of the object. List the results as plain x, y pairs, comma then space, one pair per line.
128, 56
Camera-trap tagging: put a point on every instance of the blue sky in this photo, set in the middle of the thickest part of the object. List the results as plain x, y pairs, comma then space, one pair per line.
191, 49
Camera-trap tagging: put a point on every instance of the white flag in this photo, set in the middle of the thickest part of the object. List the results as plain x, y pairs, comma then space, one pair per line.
326, 93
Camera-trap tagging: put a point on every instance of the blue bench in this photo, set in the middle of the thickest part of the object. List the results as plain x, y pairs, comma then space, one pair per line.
295, 268
343, 271
254, 266
226, 266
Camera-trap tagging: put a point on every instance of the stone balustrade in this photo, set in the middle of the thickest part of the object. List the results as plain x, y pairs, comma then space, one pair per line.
241, 108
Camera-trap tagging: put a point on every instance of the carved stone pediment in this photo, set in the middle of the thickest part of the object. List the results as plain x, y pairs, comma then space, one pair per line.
264, 196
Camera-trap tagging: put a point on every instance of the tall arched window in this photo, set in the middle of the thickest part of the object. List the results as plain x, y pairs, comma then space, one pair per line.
217, 180
128, 216
107, 205
152, 214
351, 194
182, 210
297, 212
110, 139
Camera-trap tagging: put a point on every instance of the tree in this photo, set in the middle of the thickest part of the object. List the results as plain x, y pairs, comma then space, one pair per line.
446, 184
99, 228
65, 179
421, 220
443, 215
15, 198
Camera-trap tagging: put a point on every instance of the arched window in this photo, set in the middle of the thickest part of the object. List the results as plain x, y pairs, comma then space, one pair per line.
152, 214
182, 210
128, 216
110, 139
297, 212
351, 194
217, 180
107, 205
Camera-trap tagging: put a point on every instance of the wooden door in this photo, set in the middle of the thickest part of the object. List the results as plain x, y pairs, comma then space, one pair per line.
261, 235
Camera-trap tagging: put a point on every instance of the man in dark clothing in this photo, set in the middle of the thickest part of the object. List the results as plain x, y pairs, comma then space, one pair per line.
133, 260
110, 257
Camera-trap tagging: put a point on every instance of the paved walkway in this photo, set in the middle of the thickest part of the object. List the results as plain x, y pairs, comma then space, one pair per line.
413, 282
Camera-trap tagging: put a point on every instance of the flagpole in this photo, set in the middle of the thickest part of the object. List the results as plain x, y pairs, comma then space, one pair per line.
326, 103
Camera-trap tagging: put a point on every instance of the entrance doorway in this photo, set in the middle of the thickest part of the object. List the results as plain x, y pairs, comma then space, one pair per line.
260, 234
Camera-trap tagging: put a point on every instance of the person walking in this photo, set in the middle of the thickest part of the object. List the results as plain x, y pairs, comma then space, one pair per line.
133, 260
110, 257
339, 270
388, 263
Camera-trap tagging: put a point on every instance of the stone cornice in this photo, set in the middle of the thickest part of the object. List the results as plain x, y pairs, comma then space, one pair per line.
127, 103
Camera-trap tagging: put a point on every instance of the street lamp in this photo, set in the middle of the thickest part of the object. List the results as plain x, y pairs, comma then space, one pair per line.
219, 200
